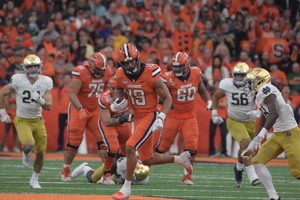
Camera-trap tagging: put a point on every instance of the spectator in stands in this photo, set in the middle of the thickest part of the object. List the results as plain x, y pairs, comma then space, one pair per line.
117, 36
50, 29
285, 64
204, 60
213, 127
15, 67
114, 16
98, 9
61, 67
294, 79
80, 59
295, 47
106, 32
63, 103
215, 72
286, 92
3, 63
131, 15
278, 77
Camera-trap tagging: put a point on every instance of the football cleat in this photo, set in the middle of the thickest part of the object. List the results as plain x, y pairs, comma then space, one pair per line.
255, 182
106, 179
238, 177
5, 149
34, 183
79, 170
26, 159
119, 196
274, 199
186, 180
186, 159
65, 174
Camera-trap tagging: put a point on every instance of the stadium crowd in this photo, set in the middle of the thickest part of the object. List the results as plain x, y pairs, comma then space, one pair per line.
216, 34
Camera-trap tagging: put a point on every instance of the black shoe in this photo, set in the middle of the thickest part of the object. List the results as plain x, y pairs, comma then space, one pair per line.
275, 199
238, 177
256, 182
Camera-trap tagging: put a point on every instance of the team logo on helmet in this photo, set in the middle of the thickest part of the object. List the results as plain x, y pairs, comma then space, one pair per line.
97, 64
180, 64
128, 54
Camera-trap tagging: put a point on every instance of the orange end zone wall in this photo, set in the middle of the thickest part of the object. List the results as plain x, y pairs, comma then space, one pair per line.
51, 122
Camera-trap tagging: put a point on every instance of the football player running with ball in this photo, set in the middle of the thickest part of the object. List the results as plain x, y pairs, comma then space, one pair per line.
33, 93
240, 123
184, 82
143, 84
286, 138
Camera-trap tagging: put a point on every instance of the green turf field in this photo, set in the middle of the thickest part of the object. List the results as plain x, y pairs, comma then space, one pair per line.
212, 181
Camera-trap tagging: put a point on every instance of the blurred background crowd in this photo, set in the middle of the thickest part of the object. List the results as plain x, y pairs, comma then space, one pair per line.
216, 34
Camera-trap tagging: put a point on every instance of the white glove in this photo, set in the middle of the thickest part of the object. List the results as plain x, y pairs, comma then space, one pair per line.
159, 122
116, 107
254, 143
254, 114
36, 97
209, 105
4, 116
215, 117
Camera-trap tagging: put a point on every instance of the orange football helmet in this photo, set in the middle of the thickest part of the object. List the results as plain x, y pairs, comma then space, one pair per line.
97, 64
180, 64
128, 54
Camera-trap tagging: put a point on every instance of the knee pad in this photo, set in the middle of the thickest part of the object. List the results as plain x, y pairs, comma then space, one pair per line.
101, 145
110, 156
71, 149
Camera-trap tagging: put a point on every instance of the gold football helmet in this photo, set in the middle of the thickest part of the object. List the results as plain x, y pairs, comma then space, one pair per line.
258, 77
29, 61
141, 172
239, 73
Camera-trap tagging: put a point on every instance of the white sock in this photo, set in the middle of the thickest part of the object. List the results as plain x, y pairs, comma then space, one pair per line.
86, 169
178, 160
239, 166
67, 165
266, 178
35, 175
126, 188
251, 173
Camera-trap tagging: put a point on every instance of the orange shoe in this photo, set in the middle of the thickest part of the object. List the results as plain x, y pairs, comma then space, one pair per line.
65, 174
119, 196
187, 180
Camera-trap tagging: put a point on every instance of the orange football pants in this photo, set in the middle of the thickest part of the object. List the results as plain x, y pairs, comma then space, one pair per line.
77, 126
115, 137
142, 138
188, 129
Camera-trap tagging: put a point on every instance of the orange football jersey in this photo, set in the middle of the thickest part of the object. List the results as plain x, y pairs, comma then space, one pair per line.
91, 87
106, 100
183, 92
142, 94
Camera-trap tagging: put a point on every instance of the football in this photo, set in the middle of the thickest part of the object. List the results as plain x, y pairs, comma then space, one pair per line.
121, 96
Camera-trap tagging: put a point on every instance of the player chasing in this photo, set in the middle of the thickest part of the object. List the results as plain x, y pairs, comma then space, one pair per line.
184, 82
86, 86
32, 94
286, 138
240, 124
143, 84
118, 170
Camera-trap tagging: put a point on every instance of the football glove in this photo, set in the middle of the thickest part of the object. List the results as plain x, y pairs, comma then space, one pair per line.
4, 116
83, 113
126, 118
159, 122
209, 105
36, 97
116, 107
254, 114
216, 119
254, 143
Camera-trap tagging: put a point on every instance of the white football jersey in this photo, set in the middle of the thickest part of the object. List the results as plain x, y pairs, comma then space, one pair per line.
239, 103
121, 172
285, 120
26, 108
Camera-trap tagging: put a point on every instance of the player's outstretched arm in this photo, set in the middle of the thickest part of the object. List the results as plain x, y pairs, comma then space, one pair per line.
204, 95
73, 92
219, 94
271, 118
